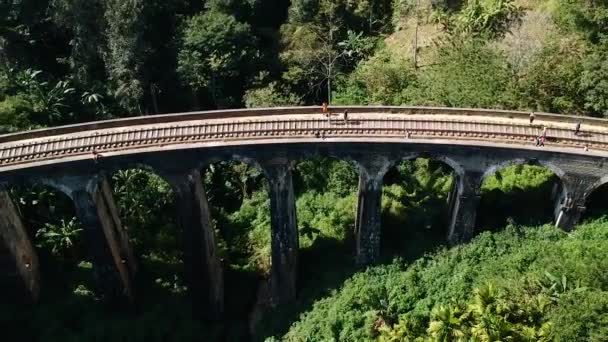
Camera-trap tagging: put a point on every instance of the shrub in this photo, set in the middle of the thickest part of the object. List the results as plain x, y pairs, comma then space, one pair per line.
454, 284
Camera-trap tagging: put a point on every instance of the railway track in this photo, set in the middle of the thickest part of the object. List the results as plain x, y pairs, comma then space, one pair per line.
252, 128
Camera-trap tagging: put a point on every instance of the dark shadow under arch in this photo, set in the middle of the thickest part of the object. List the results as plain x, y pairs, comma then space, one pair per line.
49, 217
326, 199
596, 203
518, 192
237, 192
417, 204
146, 206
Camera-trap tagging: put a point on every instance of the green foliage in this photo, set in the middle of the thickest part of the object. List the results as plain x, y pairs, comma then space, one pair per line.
402, 9
145, 205
517, 177
378, 80
126, 50
484, 18
325, 39
15, 113
227, 184
446, 324
84, 19
467, 74
586, 16
49, 216
497, 287
415, 195
581, 316
249, 232
61, 238
215, 49
49, 103
361, 16
26, 31
594, 81
326, 215
239, 8
270, 96
518, 193
323, 174
28, 99
552, 81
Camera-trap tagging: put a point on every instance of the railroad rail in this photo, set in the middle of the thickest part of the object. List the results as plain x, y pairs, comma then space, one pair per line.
191, 128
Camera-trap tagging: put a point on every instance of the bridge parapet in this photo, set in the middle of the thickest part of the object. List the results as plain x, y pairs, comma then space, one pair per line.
153, 137
261, 112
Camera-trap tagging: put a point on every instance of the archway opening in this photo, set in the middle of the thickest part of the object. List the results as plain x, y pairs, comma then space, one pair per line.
49, 218
146, 207
416, 199
326, 202
238, 197
325, 192
596, 205
520, 194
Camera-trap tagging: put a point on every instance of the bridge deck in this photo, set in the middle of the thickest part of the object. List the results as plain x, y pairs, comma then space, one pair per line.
469, 127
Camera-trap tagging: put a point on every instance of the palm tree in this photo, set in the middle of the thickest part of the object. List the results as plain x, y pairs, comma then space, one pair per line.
489, 312
485, 299
406, 330
446, 324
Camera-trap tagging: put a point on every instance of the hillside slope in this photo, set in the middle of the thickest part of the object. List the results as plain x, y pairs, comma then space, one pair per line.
534, 283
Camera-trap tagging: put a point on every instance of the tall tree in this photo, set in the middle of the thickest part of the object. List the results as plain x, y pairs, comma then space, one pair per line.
85, 22
125, 53
215, 56
25, 31
319, 37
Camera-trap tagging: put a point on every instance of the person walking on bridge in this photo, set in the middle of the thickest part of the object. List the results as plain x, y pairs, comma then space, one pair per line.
577, 129
345, 115
542, 137
326, 112
531, 117
540, 140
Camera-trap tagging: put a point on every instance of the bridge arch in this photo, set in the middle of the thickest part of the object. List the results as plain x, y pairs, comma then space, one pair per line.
35, 213
325, 194
449, 161
525, 161
520, 202
595, 199
603, 181
412, 225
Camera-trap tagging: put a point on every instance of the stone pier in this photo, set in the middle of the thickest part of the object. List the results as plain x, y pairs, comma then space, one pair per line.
203, 267
284, 231
463, 204
570, 202
113, 261
369, 206
14, 236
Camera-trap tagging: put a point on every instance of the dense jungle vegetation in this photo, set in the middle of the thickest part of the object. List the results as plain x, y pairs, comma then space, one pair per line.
520, 279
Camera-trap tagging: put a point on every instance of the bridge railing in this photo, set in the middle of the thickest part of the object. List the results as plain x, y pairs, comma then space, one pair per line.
240, 113
86, 142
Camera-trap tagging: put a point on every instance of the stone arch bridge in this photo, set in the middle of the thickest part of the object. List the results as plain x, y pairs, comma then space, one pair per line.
474, 143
